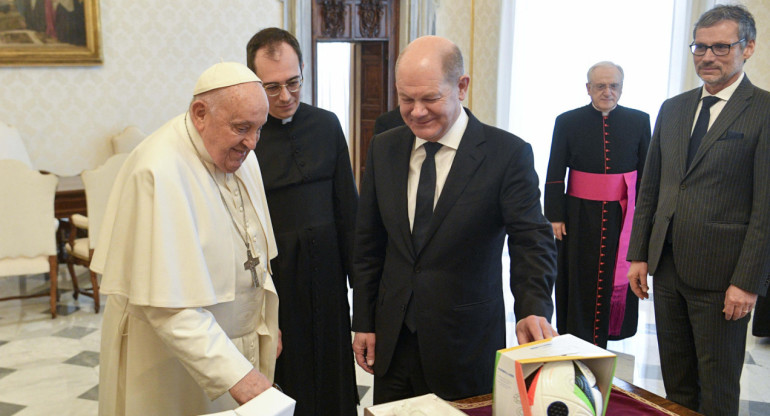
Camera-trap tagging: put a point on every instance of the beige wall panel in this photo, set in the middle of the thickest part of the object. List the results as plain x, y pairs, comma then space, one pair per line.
758, 66
474, 26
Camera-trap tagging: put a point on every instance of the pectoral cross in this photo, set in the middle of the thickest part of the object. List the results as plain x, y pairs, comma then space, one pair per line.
251, 264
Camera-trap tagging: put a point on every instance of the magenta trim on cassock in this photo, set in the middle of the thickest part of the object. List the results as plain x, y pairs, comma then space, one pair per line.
619, 187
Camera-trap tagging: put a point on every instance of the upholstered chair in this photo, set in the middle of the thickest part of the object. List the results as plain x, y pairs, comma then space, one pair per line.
98, 185
11, 145
28, 225
127, 140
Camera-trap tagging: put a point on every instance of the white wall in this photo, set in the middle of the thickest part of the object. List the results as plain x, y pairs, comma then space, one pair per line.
153, 53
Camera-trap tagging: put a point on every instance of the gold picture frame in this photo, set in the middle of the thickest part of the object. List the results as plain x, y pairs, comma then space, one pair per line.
50, 33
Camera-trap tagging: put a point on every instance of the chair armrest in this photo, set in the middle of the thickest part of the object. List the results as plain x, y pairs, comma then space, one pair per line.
79, 221
76, 222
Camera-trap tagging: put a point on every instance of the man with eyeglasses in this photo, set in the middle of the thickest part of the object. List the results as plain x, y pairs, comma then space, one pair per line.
604, 145
702, 222
305, 164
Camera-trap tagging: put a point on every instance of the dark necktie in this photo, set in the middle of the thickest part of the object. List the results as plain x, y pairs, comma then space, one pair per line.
426, 191
423, 211
701, 126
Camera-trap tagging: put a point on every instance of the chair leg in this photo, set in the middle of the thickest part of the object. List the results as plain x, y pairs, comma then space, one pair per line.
95, 286
75, 288
54, 271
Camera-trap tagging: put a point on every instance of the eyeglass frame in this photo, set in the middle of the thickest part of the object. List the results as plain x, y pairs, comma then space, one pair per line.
613, 86
706, 48
280, 87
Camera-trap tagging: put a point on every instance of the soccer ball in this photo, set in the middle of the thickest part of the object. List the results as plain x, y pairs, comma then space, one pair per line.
564, 388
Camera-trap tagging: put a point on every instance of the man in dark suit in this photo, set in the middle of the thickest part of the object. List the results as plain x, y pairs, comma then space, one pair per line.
702, 221
438, 198
389, 120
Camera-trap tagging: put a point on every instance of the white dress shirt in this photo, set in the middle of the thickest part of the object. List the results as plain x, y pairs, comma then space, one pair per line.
444, 158
723, 96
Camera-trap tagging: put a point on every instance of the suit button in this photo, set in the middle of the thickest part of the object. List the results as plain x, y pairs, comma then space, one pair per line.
403, 308
683, 187
417, 269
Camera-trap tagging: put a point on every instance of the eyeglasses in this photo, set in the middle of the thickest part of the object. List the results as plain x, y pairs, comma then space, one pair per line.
601, 87
272, 89
719, 49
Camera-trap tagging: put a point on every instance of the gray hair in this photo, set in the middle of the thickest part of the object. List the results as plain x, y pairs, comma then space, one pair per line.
737, 13
604, 64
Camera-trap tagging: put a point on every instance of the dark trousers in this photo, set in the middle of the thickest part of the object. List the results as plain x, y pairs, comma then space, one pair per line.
405, 377
701, 353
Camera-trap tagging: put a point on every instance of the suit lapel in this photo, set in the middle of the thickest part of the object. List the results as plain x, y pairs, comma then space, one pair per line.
686, 121
401, 153
467, 160
731, 111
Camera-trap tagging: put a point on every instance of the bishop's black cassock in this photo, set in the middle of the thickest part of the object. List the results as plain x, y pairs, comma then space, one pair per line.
584, 140
312, 199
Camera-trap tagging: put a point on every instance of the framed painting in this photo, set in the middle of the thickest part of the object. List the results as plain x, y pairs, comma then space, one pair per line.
49, 32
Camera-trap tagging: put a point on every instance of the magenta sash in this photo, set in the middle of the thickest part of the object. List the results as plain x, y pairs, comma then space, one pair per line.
619, 187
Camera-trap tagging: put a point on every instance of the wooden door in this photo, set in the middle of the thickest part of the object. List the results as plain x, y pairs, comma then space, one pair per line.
373, 26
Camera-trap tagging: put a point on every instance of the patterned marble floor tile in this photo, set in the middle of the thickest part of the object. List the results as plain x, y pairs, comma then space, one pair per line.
362, 390
759, 408
91, 394
5, 371
58, 383
71, 407
760, 352
8, 409
651, 372
650, 329
85, 358
38, 352
754, 383
62, 310
74, 332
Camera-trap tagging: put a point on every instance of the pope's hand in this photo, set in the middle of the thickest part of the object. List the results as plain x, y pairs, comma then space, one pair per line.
250, 386
363, 349
534, 328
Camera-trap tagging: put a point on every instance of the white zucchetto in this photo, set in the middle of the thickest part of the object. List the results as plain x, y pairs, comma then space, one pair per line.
224, 74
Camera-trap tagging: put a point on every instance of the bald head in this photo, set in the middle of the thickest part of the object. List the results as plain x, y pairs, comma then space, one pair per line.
431, 86
434, 50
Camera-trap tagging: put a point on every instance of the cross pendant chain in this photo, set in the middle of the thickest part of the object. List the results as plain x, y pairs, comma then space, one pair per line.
251, 264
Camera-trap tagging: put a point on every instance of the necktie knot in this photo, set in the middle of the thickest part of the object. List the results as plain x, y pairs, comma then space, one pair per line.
708, 102
431, 148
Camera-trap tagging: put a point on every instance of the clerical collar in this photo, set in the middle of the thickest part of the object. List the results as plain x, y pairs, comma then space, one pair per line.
287, 120
726, 92
604, 113
453, 136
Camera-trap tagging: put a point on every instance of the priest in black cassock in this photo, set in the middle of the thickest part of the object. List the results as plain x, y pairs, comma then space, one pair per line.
312, 198
604, 146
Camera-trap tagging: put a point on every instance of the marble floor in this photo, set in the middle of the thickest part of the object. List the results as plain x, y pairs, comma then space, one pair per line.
51, 366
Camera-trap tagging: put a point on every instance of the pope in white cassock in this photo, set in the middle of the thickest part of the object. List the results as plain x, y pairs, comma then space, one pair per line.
191, 322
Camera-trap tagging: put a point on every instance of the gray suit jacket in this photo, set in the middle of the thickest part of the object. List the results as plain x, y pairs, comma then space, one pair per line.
720, 206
